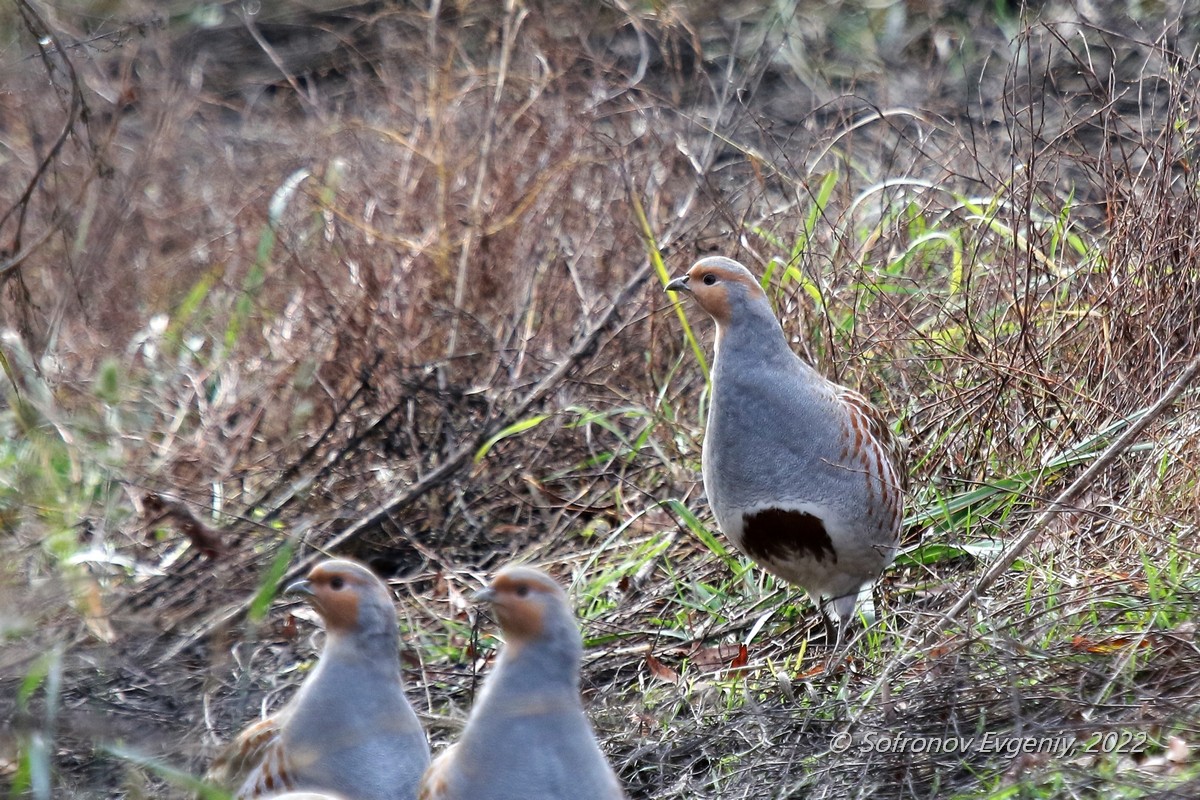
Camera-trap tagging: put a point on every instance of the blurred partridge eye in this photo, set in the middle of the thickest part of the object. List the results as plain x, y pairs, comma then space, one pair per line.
522, 590
710, 279
336, 583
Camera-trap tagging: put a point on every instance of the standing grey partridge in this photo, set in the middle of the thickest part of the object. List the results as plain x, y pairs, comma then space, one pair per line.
803, 475
527, 738
349, 731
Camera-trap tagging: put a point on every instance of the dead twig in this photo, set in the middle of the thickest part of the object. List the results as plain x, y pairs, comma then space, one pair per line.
76, 109
1064, 501
584, 347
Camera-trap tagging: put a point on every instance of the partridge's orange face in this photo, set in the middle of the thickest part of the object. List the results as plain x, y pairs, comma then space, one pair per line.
710, 281
336, 589
521, 598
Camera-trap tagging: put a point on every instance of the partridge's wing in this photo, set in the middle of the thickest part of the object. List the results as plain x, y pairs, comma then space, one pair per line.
868, 419
253, 747
435, 783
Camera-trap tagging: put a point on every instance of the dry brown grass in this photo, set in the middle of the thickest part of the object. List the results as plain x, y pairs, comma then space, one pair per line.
470, 212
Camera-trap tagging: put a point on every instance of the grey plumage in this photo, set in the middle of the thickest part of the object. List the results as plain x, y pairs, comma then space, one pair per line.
527, 737
801, 473
349, 730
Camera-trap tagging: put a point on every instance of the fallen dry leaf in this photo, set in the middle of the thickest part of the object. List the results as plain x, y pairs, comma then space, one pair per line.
660, 670
1112, 644
288, 629
715, 659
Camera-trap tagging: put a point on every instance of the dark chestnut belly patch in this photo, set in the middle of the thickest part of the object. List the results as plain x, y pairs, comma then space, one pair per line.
776, 534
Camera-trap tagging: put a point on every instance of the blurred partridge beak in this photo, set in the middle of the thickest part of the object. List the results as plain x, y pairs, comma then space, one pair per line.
300, 587
485, 595
679, 284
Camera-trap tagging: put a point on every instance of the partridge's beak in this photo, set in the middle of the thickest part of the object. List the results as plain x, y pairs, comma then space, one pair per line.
679, 284
300, 587
485, 595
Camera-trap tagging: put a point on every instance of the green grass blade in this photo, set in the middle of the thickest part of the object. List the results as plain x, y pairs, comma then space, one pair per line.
702, 532
660, 268
257, 275
516, 428
270, 581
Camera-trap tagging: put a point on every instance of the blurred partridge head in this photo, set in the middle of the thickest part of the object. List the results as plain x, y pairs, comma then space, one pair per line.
527, 738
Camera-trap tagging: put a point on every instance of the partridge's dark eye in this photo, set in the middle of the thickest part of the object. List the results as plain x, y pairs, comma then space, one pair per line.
709, 279
336, 583
522, 590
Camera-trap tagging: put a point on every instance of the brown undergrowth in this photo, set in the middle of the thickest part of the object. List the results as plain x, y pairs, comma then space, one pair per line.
378, 277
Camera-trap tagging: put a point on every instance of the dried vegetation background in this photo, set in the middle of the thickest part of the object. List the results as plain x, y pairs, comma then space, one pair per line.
382, 279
